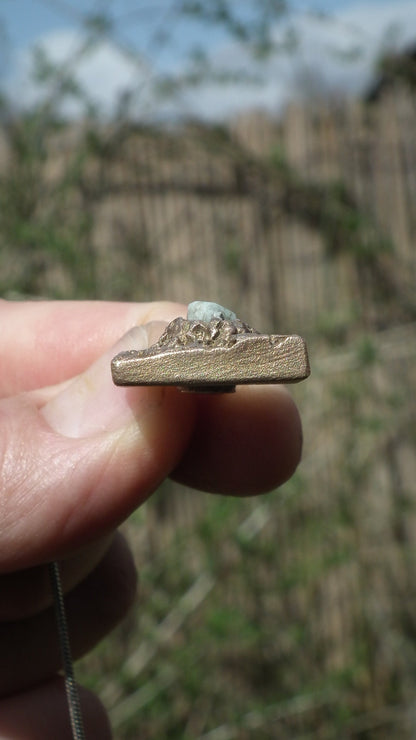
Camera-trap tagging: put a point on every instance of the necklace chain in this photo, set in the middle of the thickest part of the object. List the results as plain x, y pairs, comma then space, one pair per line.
71, 688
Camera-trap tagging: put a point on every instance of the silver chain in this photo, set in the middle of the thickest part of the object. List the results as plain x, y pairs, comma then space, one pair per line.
71, 688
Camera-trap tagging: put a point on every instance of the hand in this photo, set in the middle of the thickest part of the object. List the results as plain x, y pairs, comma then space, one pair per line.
77, 456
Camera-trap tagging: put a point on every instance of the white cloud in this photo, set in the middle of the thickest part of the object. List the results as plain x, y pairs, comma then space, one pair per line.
335, 57
368, 28
318, 65
103, 72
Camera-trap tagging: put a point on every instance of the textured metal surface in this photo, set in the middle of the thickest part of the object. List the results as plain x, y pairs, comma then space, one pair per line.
213, 356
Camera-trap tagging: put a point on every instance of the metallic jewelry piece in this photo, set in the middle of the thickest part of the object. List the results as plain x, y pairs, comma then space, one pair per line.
213, 354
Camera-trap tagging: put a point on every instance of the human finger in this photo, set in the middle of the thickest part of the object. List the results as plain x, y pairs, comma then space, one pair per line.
29, 647
45, 342
243, 443
74, 469
28, 592
41, 713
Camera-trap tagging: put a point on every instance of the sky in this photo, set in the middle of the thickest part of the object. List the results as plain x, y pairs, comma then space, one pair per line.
335, 54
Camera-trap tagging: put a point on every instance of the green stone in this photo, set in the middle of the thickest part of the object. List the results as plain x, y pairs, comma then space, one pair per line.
205, 311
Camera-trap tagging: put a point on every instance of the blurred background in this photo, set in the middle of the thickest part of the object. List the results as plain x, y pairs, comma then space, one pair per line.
261, 154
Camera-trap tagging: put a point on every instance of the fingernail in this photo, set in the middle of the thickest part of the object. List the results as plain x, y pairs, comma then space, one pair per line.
92, 403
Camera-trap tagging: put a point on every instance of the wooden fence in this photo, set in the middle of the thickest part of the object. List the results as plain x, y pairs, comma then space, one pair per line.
303, 225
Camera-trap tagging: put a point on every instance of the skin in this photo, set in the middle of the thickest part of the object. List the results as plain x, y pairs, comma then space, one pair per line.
76, 458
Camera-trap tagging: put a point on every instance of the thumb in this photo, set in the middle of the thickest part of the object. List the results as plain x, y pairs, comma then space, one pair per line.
73, 468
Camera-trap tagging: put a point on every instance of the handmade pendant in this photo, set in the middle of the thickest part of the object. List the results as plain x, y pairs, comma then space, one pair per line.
213, 351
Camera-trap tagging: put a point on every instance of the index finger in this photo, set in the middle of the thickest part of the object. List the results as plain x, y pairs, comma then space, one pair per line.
46, 342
